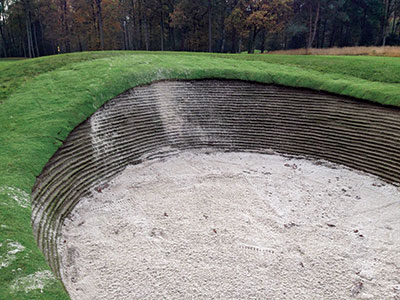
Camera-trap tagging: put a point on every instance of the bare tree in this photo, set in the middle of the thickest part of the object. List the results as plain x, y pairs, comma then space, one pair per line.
209, 26
28, 24
100, 21
313, 23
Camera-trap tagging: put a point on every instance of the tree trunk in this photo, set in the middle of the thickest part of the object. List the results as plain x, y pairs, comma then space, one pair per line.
12, 43
131, 25
252, 39
28, 24
285, 42
309, 27
263, 42
172, 38
394, 22
35, 40
23, 48
65, 29
341, 36
42, 38
4, 47
323, 34
100, 20
387, 16
146, 32
92, 39
182, 40
162, 25
149, 33
223, 41
139, 27
29, 36
313, 25
21, 42
126, 46
80, 44
129, 39
317, 36
2, 34
233, 40
333, 31
209, 27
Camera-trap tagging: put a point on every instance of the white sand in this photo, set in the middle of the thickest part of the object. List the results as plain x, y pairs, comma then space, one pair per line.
235, 226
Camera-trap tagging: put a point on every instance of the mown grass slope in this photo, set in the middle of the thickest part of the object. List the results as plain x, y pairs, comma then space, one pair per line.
42, 100
377, 69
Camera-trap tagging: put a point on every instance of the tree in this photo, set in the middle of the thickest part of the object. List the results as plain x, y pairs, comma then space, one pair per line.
33, 28
100, 20
314, 19
3, 25
190, 19
235, 24
267, 17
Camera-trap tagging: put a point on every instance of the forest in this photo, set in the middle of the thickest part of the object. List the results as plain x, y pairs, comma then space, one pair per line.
32, 28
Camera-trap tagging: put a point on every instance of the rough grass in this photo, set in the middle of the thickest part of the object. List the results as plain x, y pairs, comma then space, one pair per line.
7, 61
42, 100
373, 51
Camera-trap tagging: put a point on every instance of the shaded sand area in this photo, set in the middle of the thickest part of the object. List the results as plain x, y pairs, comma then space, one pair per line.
206, 225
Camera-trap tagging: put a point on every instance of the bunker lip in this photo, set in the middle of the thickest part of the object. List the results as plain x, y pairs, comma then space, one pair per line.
223, 115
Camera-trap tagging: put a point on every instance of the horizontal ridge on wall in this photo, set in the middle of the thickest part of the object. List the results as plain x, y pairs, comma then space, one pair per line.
169, 116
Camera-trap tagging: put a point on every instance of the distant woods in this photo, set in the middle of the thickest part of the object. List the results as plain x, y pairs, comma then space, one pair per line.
33, 28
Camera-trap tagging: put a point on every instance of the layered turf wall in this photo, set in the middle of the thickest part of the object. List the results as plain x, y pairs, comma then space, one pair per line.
166, 117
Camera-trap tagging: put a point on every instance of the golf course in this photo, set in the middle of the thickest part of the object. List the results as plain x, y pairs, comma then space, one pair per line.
42, 100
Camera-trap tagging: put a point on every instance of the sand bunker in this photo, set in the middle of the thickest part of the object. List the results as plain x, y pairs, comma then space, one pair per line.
235, 226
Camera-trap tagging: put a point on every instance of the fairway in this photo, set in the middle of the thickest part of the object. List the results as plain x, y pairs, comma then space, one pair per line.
42, 100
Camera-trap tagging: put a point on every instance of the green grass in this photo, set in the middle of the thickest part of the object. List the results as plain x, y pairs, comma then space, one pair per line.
42, 100
378, 69
10, 59
7, 61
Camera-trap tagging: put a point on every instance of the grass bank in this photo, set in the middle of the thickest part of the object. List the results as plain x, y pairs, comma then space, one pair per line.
42, 100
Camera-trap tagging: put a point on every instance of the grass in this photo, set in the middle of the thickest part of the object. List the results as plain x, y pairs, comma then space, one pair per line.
10, 60
42, 100
373, 51
376, 69
7, 61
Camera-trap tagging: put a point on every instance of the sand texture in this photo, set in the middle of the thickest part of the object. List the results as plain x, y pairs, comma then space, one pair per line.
209, 225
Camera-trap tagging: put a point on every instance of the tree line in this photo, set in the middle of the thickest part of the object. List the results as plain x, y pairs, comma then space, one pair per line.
32, 28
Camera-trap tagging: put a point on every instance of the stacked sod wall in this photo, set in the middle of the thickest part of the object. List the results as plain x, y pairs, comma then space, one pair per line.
166, 117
